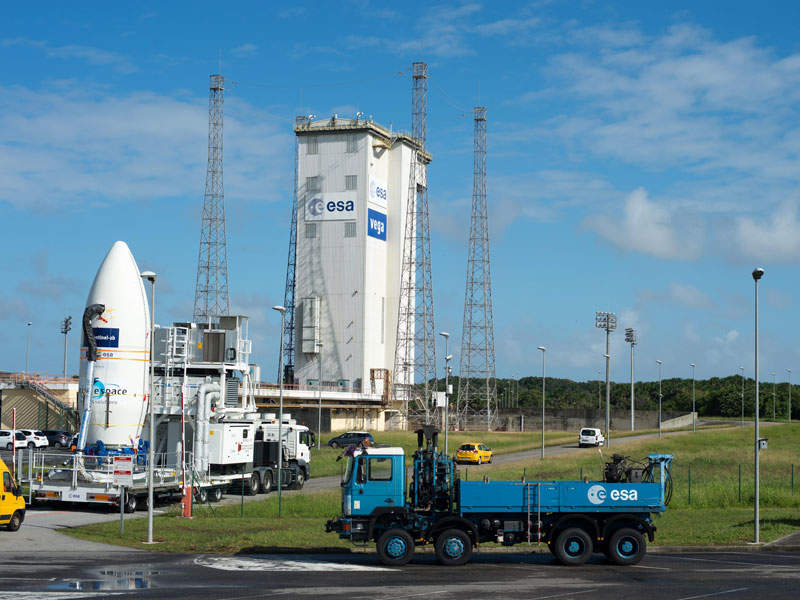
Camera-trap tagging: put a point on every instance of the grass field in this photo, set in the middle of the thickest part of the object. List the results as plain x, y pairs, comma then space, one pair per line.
714, 516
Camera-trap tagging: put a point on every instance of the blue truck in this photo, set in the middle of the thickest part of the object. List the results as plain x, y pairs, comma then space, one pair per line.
574, 518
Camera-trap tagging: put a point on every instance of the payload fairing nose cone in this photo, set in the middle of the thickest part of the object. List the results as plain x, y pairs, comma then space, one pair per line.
122, 334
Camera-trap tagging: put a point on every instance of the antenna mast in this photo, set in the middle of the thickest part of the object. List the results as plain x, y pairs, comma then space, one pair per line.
211, 287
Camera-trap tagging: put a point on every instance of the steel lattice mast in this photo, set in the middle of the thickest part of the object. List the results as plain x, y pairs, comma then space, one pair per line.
415, 350
211, 287
477, 385
286, 370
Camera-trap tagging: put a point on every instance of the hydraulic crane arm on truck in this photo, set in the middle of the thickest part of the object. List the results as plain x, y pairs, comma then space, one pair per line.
574, 518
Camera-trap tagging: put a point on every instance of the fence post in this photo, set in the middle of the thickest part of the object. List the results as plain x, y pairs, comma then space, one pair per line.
792, 479
690, 485
740, 483
581, 473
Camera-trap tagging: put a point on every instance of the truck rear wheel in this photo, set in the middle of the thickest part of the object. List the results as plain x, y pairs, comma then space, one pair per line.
16, 521
253, 485
453, 547
573, 546
626, 547
130, 503
266, 485
395, 547
216, 494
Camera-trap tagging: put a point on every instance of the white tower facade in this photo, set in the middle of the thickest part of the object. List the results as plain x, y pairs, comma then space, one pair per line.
353, 182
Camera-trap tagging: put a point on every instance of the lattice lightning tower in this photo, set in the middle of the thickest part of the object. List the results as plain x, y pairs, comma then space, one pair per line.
477, 385
211, 287
415, 350
286, 370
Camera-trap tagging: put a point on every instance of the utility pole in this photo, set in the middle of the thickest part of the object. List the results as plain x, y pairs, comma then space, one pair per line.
742, 370
630, 337
694, 429
599, 375
757, 274
281, 310
544, 353
447, 358
66, 327
659, 398
27, 345
607, 321
151, 277
319, 393
773, 396
789, 416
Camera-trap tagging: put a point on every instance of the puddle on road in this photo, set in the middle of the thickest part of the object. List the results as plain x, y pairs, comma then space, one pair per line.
108, 580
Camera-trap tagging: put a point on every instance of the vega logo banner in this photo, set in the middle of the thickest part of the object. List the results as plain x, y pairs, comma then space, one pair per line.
376, 224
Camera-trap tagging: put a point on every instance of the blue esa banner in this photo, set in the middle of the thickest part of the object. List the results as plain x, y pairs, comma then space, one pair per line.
376, 224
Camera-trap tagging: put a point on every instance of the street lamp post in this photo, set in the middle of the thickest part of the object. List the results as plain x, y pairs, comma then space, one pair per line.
151, 277
544, 352
789, 417
319, 393
742, 370
447, 358
757, 274
630, 337
27, 344
694, 429
599, 374
66, 327
281, 310
659, 398
607, 321
773, 395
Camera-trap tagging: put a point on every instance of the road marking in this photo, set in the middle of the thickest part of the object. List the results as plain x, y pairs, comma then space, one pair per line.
564, 594
714, 594
724, 562
276, 563
646, 567
17, 594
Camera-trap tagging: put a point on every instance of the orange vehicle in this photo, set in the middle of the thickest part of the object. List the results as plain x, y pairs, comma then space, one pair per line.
473, 452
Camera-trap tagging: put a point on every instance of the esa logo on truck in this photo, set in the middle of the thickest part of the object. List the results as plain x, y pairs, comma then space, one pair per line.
376, 224
597, 495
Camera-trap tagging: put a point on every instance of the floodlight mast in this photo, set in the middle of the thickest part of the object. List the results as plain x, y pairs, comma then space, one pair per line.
607, 321
630, 337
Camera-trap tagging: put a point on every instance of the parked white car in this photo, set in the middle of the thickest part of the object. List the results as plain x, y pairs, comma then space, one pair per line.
5, 440
35, 438
589, 436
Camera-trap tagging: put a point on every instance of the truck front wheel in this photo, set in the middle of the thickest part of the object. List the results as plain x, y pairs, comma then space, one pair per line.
626, 547
453, 547
15, 522
395, 547
300, 481
573, 546
253, 485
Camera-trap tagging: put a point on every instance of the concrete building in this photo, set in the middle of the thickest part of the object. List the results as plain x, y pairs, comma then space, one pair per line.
353, 180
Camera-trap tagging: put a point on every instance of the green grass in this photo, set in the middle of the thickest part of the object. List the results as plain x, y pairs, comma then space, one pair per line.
715, 515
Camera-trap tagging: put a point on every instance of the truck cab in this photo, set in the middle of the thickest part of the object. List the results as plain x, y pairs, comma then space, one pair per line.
12, 504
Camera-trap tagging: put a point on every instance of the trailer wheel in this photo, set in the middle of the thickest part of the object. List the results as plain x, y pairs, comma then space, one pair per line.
626, 547
16, 521
266, 485
453, 547
395, 547
573, 546
130, 503
253, 485
216, 494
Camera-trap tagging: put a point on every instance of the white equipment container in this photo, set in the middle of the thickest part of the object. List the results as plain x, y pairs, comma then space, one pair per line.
122, 332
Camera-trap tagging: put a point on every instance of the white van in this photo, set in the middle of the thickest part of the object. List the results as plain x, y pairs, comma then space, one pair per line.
589, 436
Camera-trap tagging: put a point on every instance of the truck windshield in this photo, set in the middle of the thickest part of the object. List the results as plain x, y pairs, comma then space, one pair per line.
348, 470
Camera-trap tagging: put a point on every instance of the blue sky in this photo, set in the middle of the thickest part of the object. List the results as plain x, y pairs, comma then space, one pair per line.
641, 159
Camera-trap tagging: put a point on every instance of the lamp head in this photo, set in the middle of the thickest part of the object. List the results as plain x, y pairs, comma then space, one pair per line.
658, 361
449, 357
758, 273
444, 334
280, 309
149, 275
692, 365
542, 348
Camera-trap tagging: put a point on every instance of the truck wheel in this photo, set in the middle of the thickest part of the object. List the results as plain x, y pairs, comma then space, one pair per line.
201, 495
266, 485
130, 503
16, 521
626, 547
253, 485
573, 546
395, 547
216, 494
299, 482
453, 547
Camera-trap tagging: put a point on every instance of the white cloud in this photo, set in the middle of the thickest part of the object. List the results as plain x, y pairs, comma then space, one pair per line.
89, 54
775, 238
689, 295
84, 147
648, 228
245, 50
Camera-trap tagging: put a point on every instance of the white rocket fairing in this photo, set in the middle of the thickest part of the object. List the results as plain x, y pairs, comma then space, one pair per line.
122, 335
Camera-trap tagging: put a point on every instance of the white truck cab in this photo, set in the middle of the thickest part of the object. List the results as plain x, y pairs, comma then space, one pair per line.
297, 439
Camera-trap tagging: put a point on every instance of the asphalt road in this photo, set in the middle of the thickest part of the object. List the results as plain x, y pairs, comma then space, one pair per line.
123, 574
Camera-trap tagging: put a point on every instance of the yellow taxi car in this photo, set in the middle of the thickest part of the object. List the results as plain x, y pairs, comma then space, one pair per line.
12, 504
473, 452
